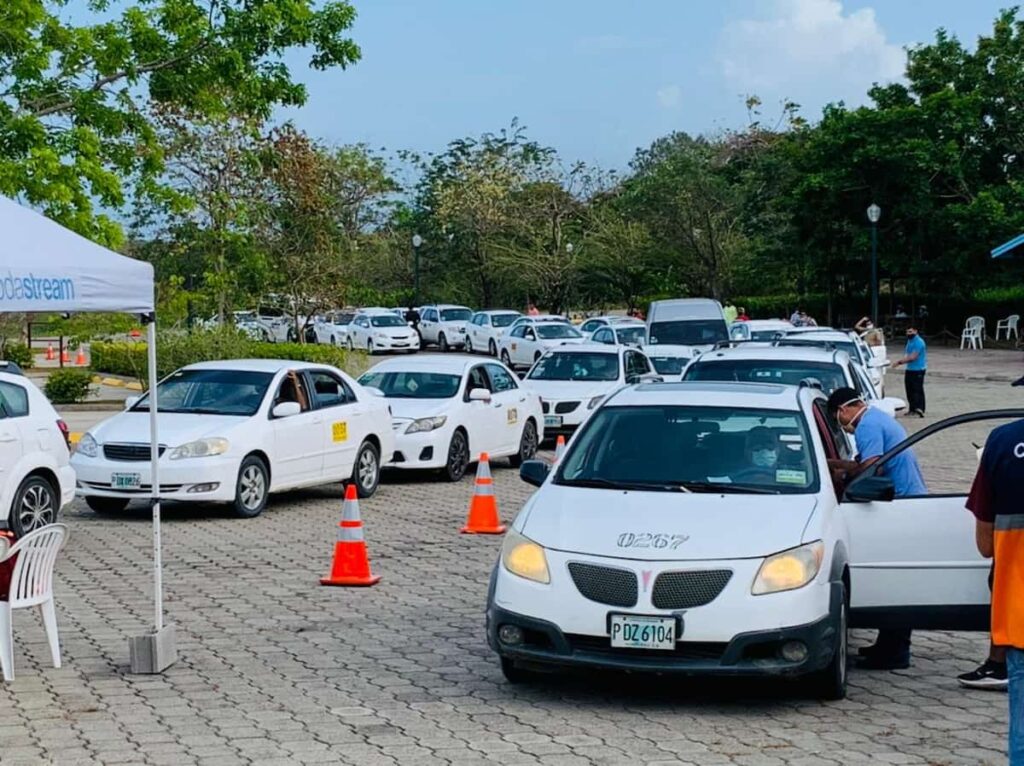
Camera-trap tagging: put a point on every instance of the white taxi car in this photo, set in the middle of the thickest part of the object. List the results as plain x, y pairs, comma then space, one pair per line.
632, 332
236, 431
485, 329
444, 326
381, 330
592, 325
851, 343
332, 328
36, 479
669, 360
573, 380
531, 337
447, 410
695, 529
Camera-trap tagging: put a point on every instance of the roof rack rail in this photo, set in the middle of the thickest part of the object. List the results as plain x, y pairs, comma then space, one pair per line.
795, 340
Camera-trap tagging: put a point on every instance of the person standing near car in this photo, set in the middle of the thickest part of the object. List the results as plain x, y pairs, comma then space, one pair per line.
915, 357
995, 501
877, 432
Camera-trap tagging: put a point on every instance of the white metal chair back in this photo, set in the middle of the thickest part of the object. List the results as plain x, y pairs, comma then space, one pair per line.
975, 322
32, 578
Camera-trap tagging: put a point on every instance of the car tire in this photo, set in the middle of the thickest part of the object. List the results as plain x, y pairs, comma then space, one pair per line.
469, 345
457, 461
527, 445
829, 683
106, 504
505, 358
442, 344
366, 471
252, 487
514, 674
35, 505
492, 348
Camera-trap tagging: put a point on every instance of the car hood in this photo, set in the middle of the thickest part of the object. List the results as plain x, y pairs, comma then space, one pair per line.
555, 342
454, 325
410, 409
394, 332
599, 522
173, 429
559, 390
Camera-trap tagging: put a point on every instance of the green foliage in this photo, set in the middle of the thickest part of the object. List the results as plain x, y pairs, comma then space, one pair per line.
67, 386
175, 350
18, 353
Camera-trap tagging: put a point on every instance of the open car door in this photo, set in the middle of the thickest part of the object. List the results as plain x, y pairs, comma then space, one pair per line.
913, 560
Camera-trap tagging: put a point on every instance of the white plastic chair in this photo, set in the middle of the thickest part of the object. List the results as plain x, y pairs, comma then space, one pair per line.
1009, 325
31, 585
974, 333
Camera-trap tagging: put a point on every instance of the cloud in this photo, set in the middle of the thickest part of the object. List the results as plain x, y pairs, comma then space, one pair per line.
810, 50
669, 96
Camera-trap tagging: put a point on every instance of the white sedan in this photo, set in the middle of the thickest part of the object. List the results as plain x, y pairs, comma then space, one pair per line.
485, 329
573, 380
235, 431
381, 330
528, 341
332, 328
632, 333
447, 410
670, 360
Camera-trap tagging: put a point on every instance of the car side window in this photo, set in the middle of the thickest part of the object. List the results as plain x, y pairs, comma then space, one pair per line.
477, 379
603, 336
500, 379
293, 389
642, 365
517, 332
13, 400
832, 435
329, 390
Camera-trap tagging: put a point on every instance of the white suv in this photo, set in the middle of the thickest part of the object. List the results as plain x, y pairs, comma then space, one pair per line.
444, 326
36, 478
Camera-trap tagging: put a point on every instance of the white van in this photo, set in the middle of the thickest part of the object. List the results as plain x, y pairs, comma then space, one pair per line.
698, 322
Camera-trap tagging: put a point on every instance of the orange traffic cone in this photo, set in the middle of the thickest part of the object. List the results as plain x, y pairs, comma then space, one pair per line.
50, 356
64, 358
559, 448
351, 565
80, 357
483, 508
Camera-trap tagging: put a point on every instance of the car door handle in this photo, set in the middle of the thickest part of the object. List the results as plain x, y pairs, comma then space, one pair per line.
8, 438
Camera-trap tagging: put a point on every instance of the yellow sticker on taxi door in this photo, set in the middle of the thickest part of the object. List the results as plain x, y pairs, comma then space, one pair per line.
339, 431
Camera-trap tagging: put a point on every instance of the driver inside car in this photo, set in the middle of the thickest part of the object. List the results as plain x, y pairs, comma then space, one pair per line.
761, 457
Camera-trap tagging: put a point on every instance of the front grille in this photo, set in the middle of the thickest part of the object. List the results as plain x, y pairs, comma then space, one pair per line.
562, 408
686, 590
145, 489
605, 585
129, 452
684, 650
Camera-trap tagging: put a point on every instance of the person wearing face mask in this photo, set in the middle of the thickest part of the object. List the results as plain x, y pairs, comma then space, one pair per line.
877, 432
762, 453
915, 357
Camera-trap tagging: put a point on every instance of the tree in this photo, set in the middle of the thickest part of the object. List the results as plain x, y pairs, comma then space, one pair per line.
75, 123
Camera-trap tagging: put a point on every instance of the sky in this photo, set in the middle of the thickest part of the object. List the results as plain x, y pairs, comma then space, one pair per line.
597, 79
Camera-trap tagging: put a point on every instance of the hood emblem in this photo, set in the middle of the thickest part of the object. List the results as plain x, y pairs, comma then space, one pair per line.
645, 577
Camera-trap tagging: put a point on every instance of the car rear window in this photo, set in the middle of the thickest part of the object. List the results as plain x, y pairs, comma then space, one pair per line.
779, 371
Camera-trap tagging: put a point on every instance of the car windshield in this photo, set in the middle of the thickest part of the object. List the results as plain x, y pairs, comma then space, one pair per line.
455, 315
700, 449
554, 330
387, 320
210, 392
689, 332
788, 372
576, 366
631, 334
345, 318
668, 365
406, 384
503, 320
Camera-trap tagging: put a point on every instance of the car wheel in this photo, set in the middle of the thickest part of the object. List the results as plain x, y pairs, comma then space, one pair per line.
252, 488
514, 674
492, 349
106, 504
442, 343
469, 345
830, 682
505, 358
366, 471
36, 504
527, 445
458, 456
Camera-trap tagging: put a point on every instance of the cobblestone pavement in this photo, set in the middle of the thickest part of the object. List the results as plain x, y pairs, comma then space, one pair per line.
275, 669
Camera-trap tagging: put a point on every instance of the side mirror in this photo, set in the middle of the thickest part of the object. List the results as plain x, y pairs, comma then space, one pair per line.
534, 472
870, 489
479, 395
286, 409
651, 377
131, 401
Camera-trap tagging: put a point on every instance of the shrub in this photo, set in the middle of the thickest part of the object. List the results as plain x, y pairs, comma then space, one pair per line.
18, 353
67, 386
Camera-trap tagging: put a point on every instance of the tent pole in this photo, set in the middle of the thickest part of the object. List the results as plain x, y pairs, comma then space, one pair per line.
154, 446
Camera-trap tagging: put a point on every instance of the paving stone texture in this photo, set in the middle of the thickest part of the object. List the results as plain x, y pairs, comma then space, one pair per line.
275, 669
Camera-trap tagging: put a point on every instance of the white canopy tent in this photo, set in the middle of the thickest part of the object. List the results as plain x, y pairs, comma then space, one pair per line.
45, 268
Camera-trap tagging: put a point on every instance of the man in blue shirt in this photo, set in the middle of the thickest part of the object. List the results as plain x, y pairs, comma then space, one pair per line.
915, 357
876, 433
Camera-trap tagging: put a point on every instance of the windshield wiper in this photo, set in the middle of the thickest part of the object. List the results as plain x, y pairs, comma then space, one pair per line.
637, 486
728, 488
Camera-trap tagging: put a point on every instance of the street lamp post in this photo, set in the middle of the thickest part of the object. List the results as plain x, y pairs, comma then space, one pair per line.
874, 213
417, 240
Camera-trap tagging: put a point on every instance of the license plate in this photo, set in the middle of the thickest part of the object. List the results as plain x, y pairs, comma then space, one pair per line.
631, 631
126, 480
552, 421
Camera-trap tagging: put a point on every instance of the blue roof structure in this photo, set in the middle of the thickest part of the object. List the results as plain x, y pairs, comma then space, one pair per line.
1008, 247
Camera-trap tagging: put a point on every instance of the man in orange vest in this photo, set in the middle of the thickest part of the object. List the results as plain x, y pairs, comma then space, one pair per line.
995, 501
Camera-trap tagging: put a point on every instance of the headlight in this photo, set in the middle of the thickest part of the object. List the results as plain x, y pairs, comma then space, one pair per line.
524, 558
421, 425
200, 448
789, 570
381, 336
87, 446
594, 402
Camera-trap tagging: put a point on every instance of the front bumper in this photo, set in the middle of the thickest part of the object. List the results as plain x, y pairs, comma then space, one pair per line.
178, 479
424, 450
566, 423
391, 344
